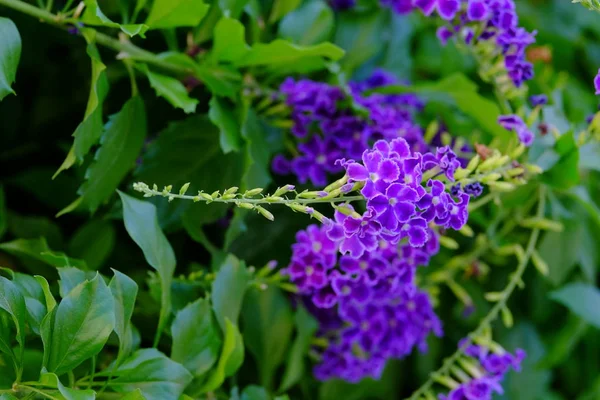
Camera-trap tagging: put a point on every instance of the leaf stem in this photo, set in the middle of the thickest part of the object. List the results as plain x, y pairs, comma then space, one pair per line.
110, 42
495, 311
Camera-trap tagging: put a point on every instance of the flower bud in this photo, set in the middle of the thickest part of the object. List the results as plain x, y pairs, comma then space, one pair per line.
265, 213
231, 190
283, 190
184, 189
253, 192
337, 184
247, 206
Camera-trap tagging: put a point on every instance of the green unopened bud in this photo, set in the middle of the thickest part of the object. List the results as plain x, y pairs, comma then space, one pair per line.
467, 231
473, 163
470, 367
507, 317
332, 194
494, 296
488, 164
539, 263
494, 176
309, 195
205, 196
265, 213
171, 198
446, 381
214, 194
502, 186
283, 190
167, 190
300, 208
282, 123
446, 139
347, 210
461, 173
337, 184
140, 187
432, 129
542, 223
317, 215
276, 109
155, 187
228, 196
534, 169
184, 189
273, 199
247, 206
515, 172
448, 242
231, 190
288, 287
516, 153
253, 192
460, 374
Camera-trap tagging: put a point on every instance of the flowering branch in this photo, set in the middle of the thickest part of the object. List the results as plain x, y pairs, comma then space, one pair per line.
503, 297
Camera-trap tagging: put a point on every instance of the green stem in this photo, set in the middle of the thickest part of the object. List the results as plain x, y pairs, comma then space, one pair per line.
132, 50
495, 311
38, 391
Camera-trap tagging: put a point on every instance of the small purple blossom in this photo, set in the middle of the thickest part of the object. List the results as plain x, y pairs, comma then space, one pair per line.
538, 100
515, 123
474, 189
597, 82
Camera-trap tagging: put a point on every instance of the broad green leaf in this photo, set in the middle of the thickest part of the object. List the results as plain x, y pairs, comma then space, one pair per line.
120, 146
34, 299
228, 290
268, 323
51, 380
89, 131
282, 56
222, 115
360, 35
50, 300
12, 301
38, 249
80, 327
94, 16
10, 53
262, 142
176, 13
141, 223
93, 243
71, 277
312, 23
155, 375
232, 8
221, 80
565, 173
564, 343
196, 340
124, 290
7, 396
282, 8
255, 393
306, 326
589, 156
229, 42
172, 90
561, 251
6, 336
582, 299
36, 311
237, 226
28, 286
219, 372
135, 395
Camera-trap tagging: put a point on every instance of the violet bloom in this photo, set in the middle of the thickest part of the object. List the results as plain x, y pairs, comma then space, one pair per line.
317, 158
538, 100
515, 123
597, 82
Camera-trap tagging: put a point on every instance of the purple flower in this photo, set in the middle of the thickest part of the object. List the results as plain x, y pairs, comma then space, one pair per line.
444, 34
597, 82
317, 159
281, 165
477, 10
474, 189
538, 100
515, 123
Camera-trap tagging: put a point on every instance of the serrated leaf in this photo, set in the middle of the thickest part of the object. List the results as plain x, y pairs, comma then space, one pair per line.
88, 132
196, 340
38, 249
10, 54
12, 301
124, 291
582, 299
120, 146
228, 290
81, 325
229, 42
93, 15
141, 222
268, 325
176, 13
229, 358
171, 90
93, 243
155, 375
222, 115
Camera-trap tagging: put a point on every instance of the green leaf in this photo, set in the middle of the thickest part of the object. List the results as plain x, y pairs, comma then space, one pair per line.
196, 340
89, 131
120, 146
222, 115
93, 243
228, 290
229, 42
38, 249
50, 379
254, 392
49, 298
561, 251
71, 277
81, 325
10, 53
228, 353
135, 395
232, 8
141, 223
5, 336
295, 367
3, 213
282, 8
176, 13
12, 301
262, 142
94, 16
312, 23
171, 90
124, 291
155, 375
565, 173
268, 323
582, 299
237, 227
222, 80
564, 343
283, 57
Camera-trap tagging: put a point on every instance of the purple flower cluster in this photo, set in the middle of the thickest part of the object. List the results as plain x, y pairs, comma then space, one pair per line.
368, 307
515, 123
494, 367
328, 128
398, 206
477, 21
597, 82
